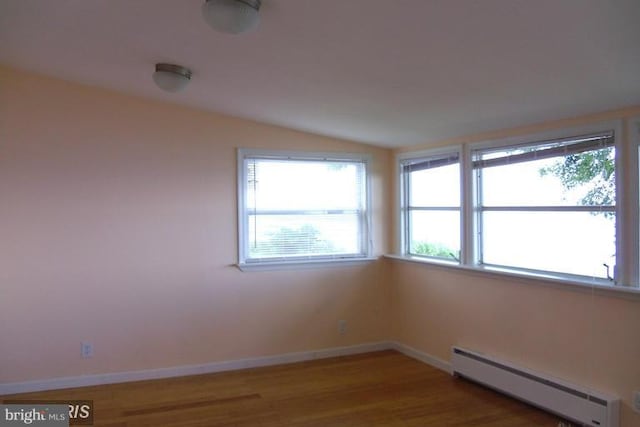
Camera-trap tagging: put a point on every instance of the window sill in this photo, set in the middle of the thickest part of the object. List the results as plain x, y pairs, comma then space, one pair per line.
595, 286
300, 264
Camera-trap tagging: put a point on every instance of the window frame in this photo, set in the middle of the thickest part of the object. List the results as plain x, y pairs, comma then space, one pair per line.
404, 240
480, 208
246, 263
627, 146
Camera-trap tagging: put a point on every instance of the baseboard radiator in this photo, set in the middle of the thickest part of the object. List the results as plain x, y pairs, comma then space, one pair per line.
574, 403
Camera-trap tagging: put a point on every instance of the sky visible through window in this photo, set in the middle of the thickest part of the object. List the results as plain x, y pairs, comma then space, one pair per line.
570, 242
299, 208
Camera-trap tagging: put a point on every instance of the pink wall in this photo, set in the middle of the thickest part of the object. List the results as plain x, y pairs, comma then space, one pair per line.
117, 225
592, 340
589, 340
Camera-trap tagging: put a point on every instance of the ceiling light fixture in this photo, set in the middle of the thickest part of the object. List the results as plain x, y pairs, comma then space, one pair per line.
232, 16
171, 78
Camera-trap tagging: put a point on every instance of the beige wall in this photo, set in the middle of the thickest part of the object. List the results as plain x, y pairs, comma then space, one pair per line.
592, 340
118, 226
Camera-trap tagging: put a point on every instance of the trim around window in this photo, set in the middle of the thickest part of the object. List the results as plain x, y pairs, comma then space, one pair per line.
298, 265
626, 207
537, 279
288, 232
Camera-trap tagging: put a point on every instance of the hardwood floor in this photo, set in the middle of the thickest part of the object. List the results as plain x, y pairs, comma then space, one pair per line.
375, 389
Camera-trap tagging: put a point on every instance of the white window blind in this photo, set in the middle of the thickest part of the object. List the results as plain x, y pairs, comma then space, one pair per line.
489, 157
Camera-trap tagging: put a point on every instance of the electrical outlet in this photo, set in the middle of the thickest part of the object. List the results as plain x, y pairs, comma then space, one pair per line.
636, 401
342, 327
86, 349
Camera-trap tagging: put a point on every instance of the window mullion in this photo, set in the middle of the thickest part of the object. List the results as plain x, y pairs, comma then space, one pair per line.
476, 207
406, 220
467, 252
627, 233
578, 208
309, 212
435, 208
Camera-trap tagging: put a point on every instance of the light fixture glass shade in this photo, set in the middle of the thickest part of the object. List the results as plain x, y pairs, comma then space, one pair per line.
171, 78
232, 16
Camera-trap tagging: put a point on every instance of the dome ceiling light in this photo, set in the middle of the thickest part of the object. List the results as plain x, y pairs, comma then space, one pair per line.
232, 16
171, 78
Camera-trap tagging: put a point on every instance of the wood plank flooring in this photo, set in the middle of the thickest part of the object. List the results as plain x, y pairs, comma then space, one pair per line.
376, 389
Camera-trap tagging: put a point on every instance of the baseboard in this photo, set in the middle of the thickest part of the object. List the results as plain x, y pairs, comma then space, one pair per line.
421, 356
209, 368
180, 371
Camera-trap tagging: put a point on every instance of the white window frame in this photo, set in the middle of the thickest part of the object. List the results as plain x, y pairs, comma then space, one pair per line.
627, 146
479, 209
403, 240
245, 263
629, 185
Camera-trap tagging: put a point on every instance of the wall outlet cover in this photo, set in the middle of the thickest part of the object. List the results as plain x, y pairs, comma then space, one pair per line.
342, 327
86, 349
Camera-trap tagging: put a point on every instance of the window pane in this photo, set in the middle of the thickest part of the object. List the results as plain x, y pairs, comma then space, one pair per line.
578, 179
303, 208
304, 185
435, 233
276, 236
435, 187
566, 242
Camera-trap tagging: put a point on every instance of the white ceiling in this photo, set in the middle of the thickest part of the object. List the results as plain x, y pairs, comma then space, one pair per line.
384, 72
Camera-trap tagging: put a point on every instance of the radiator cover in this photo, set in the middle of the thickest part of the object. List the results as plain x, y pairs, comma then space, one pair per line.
567, 400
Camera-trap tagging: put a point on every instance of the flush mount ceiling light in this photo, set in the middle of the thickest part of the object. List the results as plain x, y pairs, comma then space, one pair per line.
232, 16
171, 78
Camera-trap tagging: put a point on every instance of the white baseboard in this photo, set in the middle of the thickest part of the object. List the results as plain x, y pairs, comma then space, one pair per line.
423, 357
209, 368
180, 371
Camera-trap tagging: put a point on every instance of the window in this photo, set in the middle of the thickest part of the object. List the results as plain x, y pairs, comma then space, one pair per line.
561, 204
548, 206
296, 207
431, 208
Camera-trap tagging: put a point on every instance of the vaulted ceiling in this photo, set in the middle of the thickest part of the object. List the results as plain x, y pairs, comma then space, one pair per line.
389, 73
